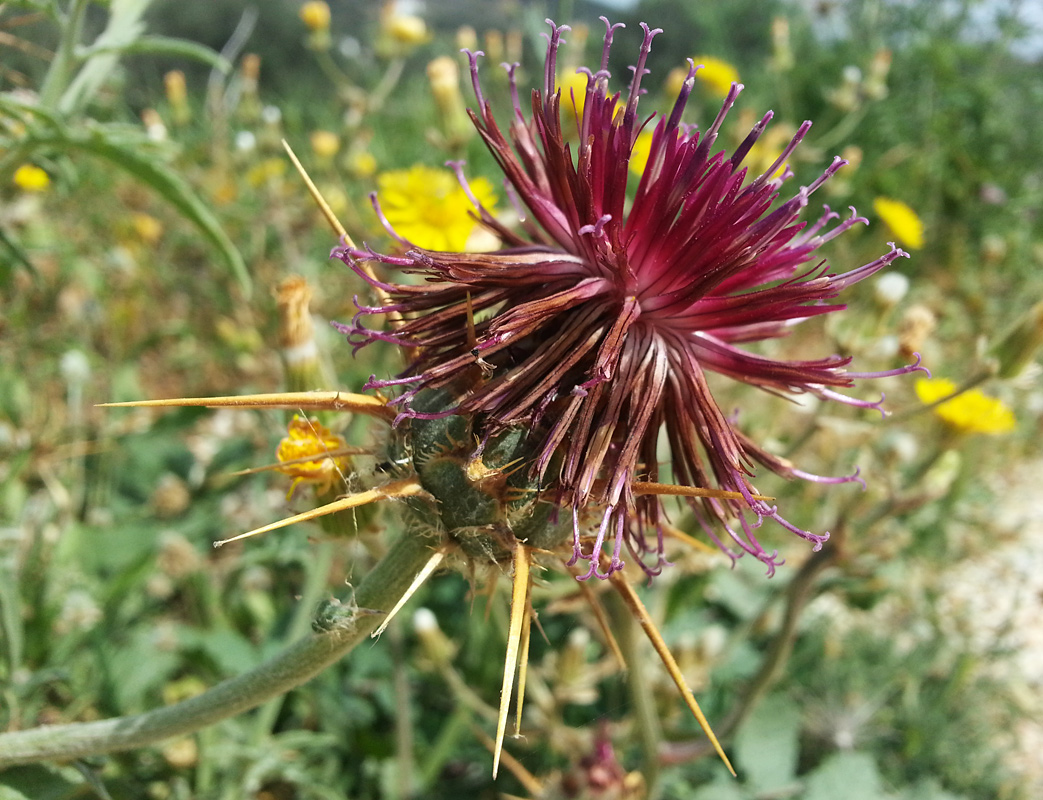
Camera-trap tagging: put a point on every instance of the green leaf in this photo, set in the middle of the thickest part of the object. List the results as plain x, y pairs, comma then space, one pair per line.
162, 45
852, 776
124, 27
39, 782
930, 789
724, 787
767, 745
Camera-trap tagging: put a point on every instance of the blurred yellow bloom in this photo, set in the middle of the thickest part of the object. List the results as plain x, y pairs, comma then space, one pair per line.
406, 29
30, 178
176, 88
265, 171
147, 228
969, 412
177, 96
361, 164
305, 438
325, 144
716, 75
768, 148
573, 85
902, 220
639, 153
315, 15
428, 206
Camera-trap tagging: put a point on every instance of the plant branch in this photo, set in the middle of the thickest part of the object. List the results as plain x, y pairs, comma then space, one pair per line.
336, 631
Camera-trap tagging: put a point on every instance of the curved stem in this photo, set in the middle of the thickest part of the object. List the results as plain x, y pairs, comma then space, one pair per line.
60, 71
648, 731
336, 631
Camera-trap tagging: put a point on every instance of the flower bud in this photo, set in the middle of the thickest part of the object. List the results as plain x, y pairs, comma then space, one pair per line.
437, 646
782, 50
466, 38
177, 96
875, 85
316, 18
324, 144
485, 499
444, 75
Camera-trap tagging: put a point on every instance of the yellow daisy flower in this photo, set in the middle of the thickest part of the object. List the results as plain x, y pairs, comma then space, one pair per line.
640, 152
902, 220
30, 178
716, 75
969, 412
428, 206
573, 85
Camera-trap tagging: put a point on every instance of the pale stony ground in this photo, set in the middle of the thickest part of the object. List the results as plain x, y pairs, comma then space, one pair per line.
997, 600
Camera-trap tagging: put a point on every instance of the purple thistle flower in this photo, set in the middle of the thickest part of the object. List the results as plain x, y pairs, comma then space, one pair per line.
596, 325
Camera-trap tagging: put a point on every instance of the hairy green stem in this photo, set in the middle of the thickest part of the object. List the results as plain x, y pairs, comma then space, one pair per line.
337, 631
646, 719
314, 587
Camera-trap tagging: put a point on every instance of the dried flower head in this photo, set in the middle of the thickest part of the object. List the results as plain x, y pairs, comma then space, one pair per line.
595, 326
311, 453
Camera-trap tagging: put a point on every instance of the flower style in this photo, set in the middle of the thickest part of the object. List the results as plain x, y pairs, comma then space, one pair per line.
596, 325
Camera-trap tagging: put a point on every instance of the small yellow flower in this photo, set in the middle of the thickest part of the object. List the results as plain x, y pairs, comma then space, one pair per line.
969, 412
316, 16
325, 144
428, 206
573, 86
30, 178
902, 220
147, 228
306, 438
270, 169
640, 152
716, 75
406, 29
361, 164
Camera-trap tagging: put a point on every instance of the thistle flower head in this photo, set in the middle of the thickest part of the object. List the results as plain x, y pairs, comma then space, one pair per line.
596, 324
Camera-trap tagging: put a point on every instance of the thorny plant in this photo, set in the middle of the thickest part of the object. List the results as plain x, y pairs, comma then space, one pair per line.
541, 376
